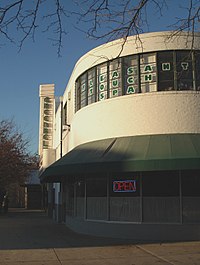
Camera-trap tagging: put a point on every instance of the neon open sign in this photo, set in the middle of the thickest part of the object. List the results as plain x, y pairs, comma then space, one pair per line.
124, 186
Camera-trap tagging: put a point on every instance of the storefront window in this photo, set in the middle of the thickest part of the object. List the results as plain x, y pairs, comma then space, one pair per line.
131, 80
161, 197
115, 79
125, 198
165, 71
80, 197
70, 199
96, 192
191, 196
102, 78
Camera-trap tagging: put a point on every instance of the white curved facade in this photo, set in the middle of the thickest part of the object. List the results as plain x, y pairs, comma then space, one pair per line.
150, 87
164, 112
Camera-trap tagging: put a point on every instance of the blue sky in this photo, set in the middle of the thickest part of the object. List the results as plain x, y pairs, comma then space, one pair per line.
37, 63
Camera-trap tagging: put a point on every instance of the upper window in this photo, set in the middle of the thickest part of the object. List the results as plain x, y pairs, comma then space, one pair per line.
197, 71
131, 80
184, 70
91, 86
102, 81
115, 79
166, 71
148, 72
142, 73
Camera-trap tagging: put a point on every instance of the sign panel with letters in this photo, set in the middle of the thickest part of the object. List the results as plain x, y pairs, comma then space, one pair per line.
124, 186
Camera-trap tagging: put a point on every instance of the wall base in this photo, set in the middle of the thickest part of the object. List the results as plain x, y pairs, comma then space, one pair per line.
136, 232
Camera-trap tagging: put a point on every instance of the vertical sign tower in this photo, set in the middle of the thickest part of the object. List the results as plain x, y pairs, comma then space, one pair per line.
47, 106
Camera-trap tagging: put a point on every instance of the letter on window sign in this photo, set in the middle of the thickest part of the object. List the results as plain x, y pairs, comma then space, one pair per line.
115, 74
130, 90
130, 80
148, 78
102, 78
184, 66
47, 100
130, 70
83, 87
166, 66
102, 87
90, 92
124, 186
115, 83
148, 68
102, 96
91, 83
47, 105
115, 92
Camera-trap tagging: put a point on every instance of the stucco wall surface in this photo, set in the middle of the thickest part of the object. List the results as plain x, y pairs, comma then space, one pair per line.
138, 114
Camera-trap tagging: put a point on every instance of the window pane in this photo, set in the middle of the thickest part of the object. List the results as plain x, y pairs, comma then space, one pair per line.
184, 70
161, 199
80, 197
102, 81
197, 67
125, 199
191, 196
165, 71
70, 199
96, 198
83, 85
148, 72
131, 84
78, 95
91, 86
115, 85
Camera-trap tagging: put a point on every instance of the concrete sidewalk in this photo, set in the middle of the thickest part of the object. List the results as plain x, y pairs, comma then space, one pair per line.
30, 237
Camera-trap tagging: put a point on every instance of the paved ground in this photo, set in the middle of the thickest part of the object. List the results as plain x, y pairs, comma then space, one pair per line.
30, 237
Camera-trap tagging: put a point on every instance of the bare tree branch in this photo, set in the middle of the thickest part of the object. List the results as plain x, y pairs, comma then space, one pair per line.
98, 19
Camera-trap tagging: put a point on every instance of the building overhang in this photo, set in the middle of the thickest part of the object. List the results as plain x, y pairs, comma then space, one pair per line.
128, 154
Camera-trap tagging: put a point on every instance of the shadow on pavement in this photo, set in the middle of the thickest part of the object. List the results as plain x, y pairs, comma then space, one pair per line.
22, 229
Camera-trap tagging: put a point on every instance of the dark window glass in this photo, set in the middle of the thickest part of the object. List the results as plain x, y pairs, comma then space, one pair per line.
184, 70
80, 197
165, 71
197, 70
70, 199
78, 95
191, 184
191, 196
96, 192
161, 197
160, 184
65, 114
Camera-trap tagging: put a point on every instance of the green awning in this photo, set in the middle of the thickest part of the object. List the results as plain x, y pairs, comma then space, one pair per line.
128, 154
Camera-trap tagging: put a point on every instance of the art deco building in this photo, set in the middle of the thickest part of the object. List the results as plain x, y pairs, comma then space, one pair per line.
125, 154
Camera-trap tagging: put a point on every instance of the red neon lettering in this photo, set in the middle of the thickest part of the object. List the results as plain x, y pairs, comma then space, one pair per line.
124, 186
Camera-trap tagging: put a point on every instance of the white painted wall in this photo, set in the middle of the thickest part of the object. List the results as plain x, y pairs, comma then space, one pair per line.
137, 114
